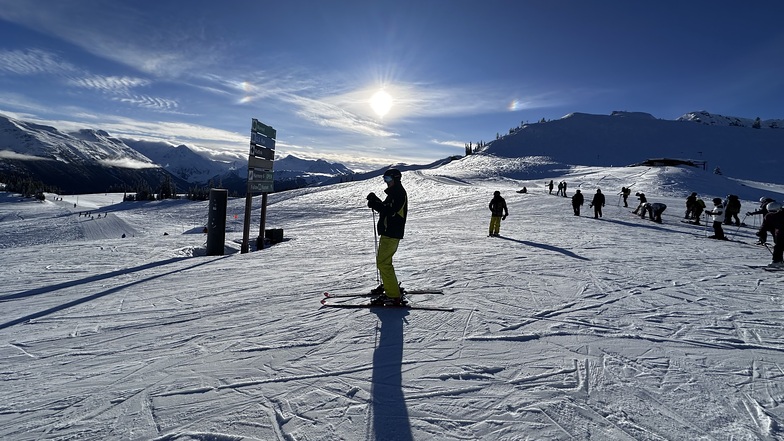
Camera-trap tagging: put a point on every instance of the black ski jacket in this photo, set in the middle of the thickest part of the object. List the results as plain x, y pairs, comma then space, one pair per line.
393, 211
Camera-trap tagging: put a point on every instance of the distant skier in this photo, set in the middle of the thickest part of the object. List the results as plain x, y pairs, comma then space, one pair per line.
564, 189
643, 200
774, 224
690, 201
550, 186
625, 192
597, 203
717, 214
560, 189
393, 211
498, 212
699, 207
763, 209
731, 210
577, 202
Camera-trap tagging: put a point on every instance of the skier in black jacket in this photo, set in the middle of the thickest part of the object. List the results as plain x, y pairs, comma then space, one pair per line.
774, 224
391, 225
498, 212
597, 203
577, 202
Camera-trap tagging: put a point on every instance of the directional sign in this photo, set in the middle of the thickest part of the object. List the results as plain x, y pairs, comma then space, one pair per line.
262, 128
254, 162
263, 152
260, 175
261, 187
259, 139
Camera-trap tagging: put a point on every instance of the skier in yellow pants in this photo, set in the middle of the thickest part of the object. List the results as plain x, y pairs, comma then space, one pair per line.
391, 226
498, 212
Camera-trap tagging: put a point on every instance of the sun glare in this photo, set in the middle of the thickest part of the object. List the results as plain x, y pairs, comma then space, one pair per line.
381, 102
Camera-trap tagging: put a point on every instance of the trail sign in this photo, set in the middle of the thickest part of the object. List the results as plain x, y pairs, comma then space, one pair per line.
260, 175
256, 162
259, 139
263, 152
262, 128
261, 187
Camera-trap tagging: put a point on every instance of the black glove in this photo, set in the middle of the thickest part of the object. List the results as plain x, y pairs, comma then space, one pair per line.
503, 217
372, 196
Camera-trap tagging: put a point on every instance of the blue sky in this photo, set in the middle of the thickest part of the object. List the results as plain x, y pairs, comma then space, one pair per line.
457, 71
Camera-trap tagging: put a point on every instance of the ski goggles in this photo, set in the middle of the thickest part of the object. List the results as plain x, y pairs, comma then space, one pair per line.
388, 179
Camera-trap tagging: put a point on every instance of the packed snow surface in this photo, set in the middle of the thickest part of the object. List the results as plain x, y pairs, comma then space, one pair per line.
565, 328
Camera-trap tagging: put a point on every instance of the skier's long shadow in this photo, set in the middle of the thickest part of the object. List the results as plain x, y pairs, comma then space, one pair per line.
388, 405
546, 247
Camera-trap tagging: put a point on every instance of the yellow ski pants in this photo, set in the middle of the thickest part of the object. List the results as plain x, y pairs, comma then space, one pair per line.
495, 224
387, 246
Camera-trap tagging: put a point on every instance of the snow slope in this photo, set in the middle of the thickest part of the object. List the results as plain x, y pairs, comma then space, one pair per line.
625, 138
565, 328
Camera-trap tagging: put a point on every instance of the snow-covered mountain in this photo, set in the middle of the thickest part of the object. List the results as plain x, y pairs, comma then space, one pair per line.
181, 160
618, 139
709, 119
88, 161
82, 161
625, 138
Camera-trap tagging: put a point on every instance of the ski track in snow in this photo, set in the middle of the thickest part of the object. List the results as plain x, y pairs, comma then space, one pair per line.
564, 328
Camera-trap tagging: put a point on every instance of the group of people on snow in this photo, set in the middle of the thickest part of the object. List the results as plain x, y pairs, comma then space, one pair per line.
393, 211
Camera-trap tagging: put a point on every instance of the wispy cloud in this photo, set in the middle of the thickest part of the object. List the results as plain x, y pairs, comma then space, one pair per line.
109, 84
149, 102
127, 163
34, 61
7, 154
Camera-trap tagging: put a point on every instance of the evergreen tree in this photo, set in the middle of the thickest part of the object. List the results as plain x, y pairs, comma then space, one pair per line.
757, 123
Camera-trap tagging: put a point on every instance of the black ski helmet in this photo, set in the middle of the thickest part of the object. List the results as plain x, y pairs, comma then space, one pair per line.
717, 201
394, 173
773, 207
496, 193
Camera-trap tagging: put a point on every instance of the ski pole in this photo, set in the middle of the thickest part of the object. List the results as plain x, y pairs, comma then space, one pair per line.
741, 223
706, 225
375, 242
768, 248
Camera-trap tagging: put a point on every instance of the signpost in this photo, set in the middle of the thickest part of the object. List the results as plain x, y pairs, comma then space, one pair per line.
260, 176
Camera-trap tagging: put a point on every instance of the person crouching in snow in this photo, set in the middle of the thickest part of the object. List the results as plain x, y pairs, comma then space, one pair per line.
717, 215
774, 224
654, 210
498, 212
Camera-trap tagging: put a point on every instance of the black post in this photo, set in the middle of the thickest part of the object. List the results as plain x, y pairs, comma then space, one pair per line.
246, 224
262, 222
216, 222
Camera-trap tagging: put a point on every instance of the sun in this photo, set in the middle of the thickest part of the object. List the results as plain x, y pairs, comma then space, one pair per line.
381, 102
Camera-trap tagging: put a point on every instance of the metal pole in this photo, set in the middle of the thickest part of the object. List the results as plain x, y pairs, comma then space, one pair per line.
375, 236
741, 223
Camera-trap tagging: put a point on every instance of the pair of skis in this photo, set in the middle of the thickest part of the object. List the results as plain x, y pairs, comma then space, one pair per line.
328, 300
